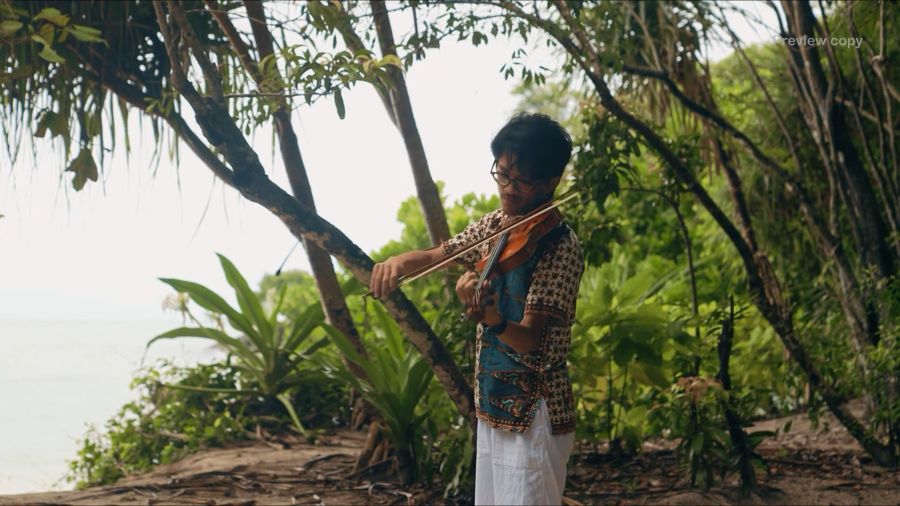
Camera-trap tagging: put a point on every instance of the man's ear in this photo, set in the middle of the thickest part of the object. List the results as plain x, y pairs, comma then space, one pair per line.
553, 183
549, 187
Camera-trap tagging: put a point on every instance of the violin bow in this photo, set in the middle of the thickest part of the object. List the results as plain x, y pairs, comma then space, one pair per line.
428, 269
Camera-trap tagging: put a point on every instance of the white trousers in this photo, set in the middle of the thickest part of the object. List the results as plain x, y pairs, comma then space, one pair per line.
527, 468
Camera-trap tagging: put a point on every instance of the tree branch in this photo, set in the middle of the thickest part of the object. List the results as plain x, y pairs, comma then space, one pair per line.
210, 72
234, 38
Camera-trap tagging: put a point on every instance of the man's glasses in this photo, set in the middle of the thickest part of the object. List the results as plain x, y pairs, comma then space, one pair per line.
504, 180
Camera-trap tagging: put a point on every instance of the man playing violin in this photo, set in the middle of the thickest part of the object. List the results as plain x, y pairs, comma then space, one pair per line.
523, 394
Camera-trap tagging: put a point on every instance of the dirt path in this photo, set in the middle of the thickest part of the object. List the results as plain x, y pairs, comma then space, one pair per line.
806, 467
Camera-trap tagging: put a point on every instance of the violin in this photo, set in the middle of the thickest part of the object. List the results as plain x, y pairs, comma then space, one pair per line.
516, 243
513, 249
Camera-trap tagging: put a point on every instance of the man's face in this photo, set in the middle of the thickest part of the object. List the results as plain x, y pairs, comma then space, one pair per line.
520, 194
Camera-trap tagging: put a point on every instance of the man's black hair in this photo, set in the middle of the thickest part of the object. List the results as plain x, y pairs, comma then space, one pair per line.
538, 146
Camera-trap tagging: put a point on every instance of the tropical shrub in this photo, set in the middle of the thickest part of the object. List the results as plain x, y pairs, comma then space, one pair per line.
397, 380
269, 355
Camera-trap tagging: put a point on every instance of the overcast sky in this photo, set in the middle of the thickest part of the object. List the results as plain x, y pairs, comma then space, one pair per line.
97, 254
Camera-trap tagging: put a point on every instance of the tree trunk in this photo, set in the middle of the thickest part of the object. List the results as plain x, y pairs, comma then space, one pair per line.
736, 432
400, 110
831, 128
332, 299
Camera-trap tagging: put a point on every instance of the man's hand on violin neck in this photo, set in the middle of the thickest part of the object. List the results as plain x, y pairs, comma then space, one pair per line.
485, 312
465, 288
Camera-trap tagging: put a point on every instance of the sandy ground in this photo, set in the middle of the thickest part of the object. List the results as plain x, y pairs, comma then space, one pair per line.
805, 467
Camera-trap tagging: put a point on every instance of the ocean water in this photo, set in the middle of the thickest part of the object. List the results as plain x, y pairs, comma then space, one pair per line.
59, 377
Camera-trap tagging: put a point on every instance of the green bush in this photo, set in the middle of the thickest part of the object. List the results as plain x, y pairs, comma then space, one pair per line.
163, 424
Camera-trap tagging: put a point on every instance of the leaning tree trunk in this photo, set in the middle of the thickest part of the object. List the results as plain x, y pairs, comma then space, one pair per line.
247, 175
739, 439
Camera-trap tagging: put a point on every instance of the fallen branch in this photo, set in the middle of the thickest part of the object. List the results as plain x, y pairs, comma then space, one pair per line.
309, 463
369, 468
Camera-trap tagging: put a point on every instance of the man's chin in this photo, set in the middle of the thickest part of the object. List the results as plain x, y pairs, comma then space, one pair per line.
510, 207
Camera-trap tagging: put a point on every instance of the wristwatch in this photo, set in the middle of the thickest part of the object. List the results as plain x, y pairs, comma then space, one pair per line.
498, 328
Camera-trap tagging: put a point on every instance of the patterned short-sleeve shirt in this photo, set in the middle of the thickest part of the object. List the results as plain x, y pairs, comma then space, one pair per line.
508, 384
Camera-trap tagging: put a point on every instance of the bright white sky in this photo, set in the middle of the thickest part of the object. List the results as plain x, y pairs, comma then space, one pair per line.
98, 256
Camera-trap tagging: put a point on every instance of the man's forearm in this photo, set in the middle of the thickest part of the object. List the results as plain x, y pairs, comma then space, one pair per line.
520, 338
524, 336
416, 259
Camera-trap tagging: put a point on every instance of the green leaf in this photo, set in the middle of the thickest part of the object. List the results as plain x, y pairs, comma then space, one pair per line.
10, 27
697, 443
311, 317
22, 72
231, 344
391, 59
636, 416
53, 15
209, 300
59, 125
286, 400
649, 375
273, 317
623, 352
346, 348
45, 38
316, 346
755, 438
247, 300
45, 35
92, 124
84, 168
339, 103
85, 33
646, 354
50, 55
635, 287
208, 390
43, 123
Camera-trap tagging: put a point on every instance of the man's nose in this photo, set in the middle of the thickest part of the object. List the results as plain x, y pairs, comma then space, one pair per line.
511, 190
